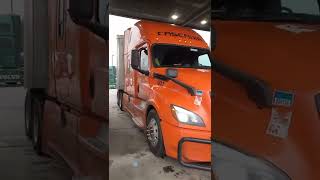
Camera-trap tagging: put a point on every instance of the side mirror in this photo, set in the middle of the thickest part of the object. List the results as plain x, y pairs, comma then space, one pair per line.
81, 9
173, 73
135, 59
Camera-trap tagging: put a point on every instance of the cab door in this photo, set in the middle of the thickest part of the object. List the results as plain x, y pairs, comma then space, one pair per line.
141, 87
66, 125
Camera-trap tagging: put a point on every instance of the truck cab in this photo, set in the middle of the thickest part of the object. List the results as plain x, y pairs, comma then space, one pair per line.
166, 72
11, 63
66, 50
266, 109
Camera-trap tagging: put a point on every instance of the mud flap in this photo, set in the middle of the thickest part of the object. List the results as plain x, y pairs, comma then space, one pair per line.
192, 165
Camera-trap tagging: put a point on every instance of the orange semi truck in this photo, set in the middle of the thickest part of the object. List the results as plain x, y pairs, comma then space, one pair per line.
266, 118
164, 82
66, 49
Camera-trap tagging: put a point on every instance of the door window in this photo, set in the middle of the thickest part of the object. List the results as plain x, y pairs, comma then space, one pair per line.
144, 60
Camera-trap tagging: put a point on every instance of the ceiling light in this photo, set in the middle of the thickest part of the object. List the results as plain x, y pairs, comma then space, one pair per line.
203, 22
174, 17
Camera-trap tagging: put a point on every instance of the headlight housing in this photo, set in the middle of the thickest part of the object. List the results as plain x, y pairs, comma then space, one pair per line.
187, 117
230, 164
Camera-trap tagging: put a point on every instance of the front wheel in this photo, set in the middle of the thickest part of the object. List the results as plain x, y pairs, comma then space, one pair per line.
154, 134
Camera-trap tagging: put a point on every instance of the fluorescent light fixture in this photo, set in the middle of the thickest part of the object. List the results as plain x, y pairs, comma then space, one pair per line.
174, 17
203, 22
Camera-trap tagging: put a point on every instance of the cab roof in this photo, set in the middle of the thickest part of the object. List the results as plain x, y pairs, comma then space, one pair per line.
163, 33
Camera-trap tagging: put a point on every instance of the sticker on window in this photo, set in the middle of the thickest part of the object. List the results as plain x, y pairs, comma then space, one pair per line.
279, 123
282, 98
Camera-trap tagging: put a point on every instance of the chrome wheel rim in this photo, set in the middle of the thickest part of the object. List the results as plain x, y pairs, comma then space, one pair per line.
153, 132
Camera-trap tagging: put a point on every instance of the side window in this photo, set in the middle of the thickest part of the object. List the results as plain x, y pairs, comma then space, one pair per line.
305, 7
144, 60
204, 60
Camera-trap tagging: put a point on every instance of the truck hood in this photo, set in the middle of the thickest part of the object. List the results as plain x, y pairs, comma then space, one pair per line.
286, 56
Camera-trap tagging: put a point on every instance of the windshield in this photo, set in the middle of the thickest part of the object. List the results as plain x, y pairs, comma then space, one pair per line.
269, 10
180, 57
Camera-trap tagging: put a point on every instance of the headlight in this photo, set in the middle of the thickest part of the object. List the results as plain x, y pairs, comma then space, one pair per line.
186, 117
229, 164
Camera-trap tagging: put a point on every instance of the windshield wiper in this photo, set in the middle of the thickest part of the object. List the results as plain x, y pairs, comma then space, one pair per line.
257, 90
190, 89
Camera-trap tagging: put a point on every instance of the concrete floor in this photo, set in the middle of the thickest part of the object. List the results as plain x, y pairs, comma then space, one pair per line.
130, 157
18, 161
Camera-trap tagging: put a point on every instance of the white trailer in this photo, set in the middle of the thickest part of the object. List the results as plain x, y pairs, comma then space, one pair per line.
120, 63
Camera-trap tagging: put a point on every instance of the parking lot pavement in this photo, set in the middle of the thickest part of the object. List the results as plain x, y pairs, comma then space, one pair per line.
130, 157
18, 161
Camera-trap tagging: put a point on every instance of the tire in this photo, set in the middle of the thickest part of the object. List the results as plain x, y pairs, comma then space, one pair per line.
27, 115
37, 114
120, 99
153, 126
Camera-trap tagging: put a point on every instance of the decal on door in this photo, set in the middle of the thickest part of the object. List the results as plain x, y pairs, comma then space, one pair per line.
282, 98
279, 123
198, 98
160, 83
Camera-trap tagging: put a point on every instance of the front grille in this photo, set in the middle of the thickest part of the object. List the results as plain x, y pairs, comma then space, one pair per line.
6, 43
7, 62
5, 28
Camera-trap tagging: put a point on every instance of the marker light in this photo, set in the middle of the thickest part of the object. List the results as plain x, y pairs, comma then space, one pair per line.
203, 22
230, 164
174, 17
187, 117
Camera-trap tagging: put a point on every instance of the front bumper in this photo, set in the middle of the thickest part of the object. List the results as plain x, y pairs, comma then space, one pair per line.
192, 145
192, 164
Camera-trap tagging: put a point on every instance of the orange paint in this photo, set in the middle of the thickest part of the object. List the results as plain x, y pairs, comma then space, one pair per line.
287, 61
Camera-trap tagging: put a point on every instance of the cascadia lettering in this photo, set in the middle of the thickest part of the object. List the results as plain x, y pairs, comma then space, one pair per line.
182, 35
